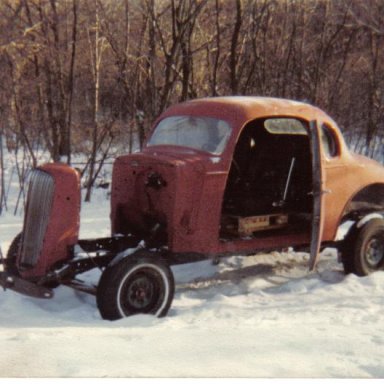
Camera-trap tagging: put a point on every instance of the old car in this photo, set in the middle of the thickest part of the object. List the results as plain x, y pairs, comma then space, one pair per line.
216, 176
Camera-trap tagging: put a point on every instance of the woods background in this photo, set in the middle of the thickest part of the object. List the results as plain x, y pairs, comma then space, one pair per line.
88, 77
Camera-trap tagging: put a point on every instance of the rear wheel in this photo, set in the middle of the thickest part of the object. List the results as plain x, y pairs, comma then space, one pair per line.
138, 284
364, 249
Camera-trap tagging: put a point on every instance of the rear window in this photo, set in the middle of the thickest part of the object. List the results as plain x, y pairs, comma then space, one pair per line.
329, 141
202, 133
285, 126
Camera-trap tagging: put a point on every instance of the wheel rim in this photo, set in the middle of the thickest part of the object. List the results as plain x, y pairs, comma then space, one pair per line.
374, 253
141, 292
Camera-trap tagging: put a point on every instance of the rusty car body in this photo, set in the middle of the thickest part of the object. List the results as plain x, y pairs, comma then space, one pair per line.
216, 176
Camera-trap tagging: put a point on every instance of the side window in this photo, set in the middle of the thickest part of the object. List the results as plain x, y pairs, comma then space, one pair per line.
328, 141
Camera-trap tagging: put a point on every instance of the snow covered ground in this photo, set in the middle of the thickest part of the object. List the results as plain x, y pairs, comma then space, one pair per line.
261, 316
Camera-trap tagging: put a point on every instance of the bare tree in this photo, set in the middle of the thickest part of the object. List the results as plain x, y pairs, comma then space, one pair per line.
234, 54
97, 48
77, 74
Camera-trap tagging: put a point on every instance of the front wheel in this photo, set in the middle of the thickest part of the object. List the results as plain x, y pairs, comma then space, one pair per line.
364, 249
137, 284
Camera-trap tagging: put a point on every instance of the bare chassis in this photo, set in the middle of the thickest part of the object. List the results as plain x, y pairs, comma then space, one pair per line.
97, 253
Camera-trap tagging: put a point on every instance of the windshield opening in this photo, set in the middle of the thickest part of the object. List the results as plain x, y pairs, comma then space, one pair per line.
202, 133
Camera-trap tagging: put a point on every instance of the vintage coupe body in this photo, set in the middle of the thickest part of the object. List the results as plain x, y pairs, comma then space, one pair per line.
216, 176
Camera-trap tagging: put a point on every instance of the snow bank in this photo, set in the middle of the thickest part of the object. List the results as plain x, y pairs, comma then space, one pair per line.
260, 316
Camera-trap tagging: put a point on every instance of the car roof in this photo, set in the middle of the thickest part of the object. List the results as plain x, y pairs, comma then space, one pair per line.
240, 109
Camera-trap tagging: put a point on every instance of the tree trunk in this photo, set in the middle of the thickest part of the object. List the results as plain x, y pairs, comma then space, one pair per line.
233, 58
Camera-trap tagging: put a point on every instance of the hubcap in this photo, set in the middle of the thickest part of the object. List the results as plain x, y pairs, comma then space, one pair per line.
374, 252
140, 292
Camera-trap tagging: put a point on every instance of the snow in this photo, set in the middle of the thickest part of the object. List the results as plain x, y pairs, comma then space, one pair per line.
367, 218
260, 316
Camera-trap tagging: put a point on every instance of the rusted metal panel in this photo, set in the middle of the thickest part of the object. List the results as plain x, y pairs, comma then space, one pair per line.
59, 225
190, 205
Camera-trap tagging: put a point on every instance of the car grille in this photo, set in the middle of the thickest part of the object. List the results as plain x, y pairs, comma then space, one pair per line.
38, 209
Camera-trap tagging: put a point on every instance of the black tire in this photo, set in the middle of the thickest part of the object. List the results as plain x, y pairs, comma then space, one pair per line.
10, 263
137, 284
363, 252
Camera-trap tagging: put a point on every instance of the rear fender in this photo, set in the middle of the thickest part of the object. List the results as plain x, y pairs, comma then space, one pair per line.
365, 205
367, 201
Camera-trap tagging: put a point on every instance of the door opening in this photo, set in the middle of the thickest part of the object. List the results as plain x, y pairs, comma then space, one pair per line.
270, 180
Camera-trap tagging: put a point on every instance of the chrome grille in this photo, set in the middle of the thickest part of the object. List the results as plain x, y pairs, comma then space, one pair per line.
38, 209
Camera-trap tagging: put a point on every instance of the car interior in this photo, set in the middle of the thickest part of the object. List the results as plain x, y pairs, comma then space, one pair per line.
270, 180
